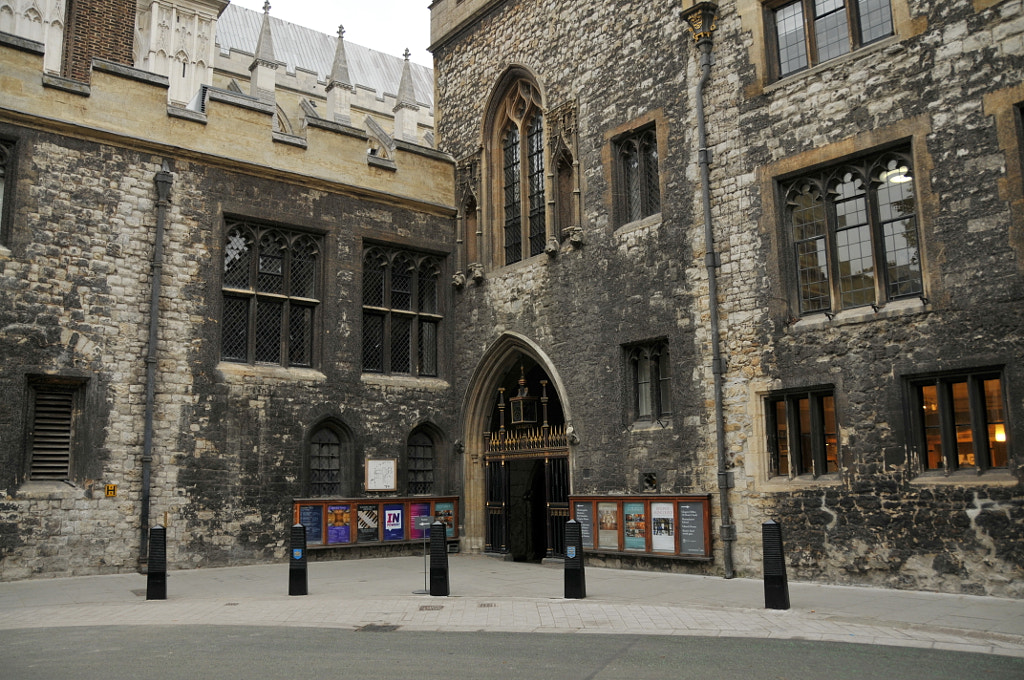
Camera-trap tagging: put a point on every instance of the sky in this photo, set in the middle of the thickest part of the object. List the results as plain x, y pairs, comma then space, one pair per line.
385, 25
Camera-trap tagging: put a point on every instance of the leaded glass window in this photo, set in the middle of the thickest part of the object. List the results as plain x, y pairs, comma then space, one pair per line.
854, 233
401, 311
802, 433
270, 295
639, 193
809, 32
520, 135
651, 375
420, 463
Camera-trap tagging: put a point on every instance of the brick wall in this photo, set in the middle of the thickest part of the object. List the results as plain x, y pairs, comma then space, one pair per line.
98, 28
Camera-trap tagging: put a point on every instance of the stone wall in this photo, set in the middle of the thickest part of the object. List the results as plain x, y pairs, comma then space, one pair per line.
880, 519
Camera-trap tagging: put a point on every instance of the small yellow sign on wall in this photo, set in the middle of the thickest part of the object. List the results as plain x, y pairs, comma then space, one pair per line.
110, 490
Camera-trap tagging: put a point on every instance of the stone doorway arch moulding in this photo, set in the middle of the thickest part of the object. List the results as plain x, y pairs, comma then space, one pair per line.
476, 409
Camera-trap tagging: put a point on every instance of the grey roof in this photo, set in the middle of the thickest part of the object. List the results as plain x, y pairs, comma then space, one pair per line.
238, 29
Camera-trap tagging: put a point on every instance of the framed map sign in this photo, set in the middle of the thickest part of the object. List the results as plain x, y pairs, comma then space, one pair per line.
381, 474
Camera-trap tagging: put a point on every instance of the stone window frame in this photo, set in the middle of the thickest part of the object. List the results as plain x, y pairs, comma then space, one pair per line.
322, 437
653, 121
813, 50
1006, 107
520, 172
989, 453
756, 21
60, 448
258, 287
8, 149
823, 186
649, 370
421, 462
385, 317
812, 445
637, 177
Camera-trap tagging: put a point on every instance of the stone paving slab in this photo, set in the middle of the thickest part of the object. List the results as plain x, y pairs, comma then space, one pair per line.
496, 596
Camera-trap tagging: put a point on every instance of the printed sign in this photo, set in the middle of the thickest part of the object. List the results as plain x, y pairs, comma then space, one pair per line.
339, 523
663, 529
585, 516
691, 528
446, 513
635, 526
420, 511
368, 524
394, 523
312, 517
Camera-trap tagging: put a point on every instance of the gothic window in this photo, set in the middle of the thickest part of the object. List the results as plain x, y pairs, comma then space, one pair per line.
638, 192
271, 293
802, 433
420, 463
854, 234
401, 312
809, 32
651, 375
958, 421
519, 125
6, 187
329, 463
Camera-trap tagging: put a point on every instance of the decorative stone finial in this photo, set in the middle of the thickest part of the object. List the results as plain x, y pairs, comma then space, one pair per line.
407, 54
341, 31
266, 7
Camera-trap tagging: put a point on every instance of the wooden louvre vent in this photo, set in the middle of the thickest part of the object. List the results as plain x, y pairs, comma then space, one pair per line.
51, 435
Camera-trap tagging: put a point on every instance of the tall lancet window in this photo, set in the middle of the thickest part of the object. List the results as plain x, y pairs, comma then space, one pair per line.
519, 149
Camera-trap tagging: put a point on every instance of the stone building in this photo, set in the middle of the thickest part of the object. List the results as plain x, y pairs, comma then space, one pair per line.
829, 340
675, 271
182, 287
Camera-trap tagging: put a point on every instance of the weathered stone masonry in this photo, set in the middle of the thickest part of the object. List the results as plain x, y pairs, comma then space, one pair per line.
879, 520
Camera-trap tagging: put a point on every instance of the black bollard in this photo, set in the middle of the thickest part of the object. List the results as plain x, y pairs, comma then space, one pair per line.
297, 581
438, 559
575, 578
776, 587
156, 571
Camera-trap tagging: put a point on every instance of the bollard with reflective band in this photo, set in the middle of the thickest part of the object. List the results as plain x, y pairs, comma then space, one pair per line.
438, 560
156, 572
776, 587
297, 580
575, 578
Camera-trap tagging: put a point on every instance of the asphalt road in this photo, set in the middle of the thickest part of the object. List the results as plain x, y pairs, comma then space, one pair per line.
264, 653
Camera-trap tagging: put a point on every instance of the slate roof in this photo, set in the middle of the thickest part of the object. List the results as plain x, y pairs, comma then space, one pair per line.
238, 29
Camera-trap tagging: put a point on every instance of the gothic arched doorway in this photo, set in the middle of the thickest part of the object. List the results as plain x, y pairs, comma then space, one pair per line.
518, 464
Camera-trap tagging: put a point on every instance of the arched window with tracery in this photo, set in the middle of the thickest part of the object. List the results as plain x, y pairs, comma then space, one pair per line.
420, 463
518, 125
329, 463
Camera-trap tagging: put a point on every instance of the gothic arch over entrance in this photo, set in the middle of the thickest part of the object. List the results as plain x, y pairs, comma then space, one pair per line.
517, 476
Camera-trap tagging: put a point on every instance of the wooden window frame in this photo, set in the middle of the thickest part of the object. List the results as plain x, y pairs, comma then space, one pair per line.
816, 457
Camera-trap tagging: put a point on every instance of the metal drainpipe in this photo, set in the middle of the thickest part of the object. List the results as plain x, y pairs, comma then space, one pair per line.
163, 180
727, 529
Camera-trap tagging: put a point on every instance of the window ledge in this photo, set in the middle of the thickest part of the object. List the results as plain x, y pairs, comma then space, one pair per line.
46, 490
229, 370
646, 222
965, 478
650, 425
858, 315
801, 482
892, 41
382, 380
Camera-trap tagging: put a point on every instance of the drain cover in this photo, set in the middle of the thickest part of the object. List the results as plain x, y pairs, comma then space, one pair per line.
377, 628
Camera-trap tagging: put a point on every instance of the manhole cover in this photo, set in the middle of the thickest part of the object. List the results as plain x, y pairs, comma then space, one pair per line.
486, 605
431, 607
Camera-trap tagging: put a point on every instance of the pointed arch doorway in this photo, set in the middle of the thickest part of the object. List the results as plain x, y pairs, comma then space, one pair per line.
518, 461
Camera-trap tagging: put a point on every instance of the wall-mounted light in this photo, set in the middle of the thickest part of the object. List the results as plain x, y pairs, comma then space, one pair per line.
899, 175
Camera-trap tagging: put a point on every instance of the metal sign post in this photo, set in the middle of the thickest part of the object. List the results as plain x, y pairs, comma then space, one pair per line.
422, 523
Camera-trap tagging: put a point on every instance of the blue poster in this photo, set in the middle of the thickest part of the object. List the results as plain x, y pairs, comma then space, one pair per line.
394, 523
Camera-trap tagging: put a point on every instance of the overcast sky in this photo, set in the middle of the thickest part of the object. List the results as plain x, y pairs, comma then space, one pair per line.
385, 25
